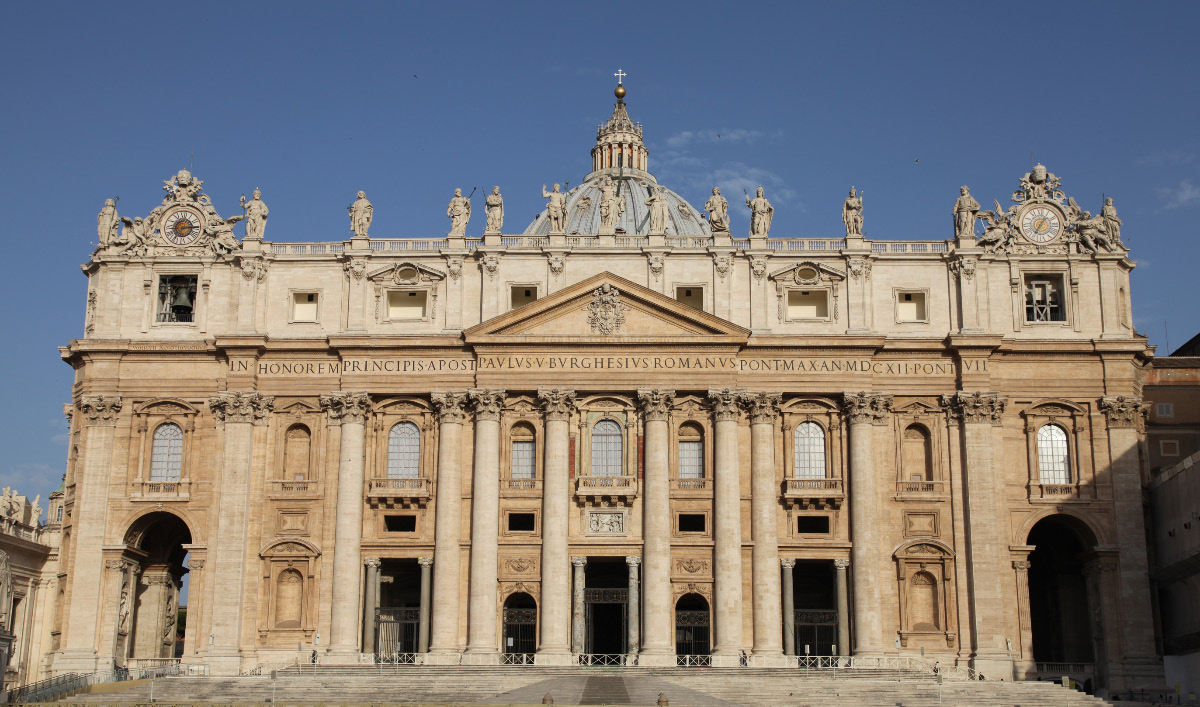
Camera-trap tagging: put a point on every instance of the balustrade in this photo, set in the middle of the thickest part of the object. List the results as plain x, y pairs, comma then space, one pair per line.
814, 493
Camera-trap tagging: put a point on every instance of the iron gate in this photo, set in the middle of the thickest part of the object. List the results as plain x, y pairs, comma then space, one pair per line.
691, 633
605, 610
817, 630
520, 631
396, 631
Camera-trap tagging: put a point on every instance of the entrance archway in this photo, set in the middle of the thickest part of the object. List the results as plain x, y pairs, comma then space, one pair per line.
1061, 597
692, 621
814, 599
605, 597
152, 605
520, 628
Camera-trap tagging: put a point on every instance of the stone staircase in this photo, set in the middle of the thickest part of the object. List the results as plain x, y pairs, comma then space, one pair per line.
526, 685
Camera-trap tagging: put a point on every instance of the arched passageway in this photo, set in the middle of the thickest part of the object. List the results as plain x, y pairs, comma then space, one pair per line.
692, 622
520, 628
151, 610
1064, 595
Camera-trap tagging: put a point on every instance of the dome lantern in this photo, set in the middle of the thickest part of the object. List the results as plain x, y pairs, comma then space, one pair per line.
619, 139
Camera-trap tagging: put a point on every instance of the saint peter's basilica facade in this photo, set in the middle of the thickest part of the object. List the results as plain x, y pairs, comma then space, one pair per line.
624, 435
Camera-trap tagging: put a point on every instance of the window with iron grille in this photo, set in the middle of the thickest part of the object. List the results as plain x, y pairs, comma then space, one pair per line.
606, 449
1054, 460
166, 456
1044, 299
404, 451
810, 451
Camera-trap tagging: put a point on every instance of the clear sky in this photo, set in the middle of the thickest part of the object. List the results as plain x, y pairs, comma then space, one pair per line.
312, 102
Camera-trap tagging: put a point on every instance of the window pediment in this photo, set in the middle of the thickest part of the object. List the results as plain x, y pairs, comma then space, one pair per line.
406, 273
807, 272
289, 547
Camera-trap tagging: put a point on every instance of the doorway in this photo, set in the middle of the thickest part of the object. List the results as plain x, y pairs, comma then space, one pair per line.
814, 600
692, 626
605, 597
398, 617
520, 629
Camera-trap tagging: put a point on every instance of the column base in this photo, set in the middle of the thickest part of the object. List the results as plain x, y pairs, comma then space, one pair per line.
726, 660
341, 656
480, 657
993, 667
224, 665
76, 662
770, 660
656, 660
555, 658
441, 658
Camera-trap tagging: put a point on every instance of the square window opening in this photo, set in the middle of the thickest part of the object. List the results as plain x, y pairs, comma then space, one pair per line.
691, 296
1164, 410
304, 306
407, 304
521, 522
808, 304
177, 298
911, 307
1044, 299
812, 525
1168, 447
692, 522
400, 524
523, 295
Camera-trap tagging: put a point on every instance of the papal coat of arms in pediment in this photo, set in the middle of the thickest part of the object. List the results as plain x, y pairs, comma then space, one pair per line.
608, 306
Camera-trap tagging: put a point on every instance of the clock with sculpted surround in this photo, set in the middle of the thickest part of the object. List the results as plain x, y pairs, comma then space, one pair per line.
1041, 224
182, 226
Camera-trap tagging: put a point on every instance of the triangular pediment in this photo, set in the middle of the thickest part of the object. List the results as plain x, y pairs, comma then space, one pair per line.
606, 307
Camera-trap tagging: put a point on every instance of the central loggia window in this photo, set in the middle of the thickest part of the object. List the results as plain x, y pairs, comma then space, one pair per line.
607, 449
404, 451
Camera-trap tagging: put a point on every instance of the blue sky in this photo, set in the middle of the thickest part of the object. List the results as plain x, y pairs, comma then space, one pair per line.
311, 102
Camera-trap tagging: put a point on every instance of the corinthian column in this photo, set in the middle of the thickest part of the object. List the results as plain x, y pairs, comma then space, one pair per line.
451, 408
349, 410
863, 411
727, 507
238, 413
763, 409
656, 528
485, 522
91, 492
1126, 416
978, 413
555, 619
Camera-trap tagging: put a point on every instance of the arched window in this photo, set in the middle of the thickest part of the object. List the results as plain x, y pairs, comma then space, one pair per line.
166, 457
917, 462
691, 452
1054, 460
404, 451
524, 453
606, 449
296, 453
810, 451
289, 599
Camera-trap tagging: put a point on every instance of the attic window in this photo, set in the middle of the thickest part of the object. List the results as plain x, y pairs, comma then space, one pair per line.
910, 307
407, 304
523, 295
691, 295
808, 304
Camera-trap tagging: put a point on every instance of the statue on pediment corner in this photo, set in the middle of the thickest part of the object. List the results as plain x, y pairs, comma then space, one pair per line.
852, 213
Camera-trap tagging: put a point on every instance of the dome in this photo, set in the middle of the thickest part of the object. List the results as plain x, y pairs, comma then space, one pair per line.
583, 211
620, 154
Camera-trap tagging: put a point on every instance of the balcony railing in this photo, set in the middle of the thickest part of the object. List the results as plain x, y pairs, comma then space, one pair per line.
617, 488
179, 490
398, 492
292, 488
1054, 491
919, 488
814, 493
521, 487
693, 484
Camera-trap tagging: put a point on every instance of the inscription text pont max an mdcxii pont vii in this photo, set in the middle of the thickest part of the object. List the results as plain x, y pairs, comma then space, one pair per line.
558, 363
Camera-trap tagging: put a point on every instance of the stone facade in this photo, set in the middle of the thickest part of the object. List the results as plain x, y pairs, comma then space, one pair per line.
461, 450
29, 586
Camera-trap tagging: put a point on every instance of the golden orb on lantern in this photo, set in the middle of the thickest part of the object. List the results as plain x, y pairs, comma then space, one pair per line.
619, 92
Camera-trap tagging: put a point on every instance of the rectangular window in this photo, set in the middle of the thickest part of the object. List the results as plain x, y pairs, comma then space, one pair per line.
522, 522
1044, 299
1164, 410
408, 304
692, 522
523, 295
524, 461
910, 307
176, 298
692, 296
691, 459
808, 304
1168, 447
400, 524
812, 525
304, 306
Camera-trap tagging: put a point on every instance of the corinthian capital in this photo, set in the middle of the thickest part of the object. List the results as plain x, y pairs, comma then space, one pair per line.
488, 403
867, 407
724, 403
241, 407
762, 407
556, 402
975, 408
1123, 410
451, 407
100, 410
656, 403
346, 408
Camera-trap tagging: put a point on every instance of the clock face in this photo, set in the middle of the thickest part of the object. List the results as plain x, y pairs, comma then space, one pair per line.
1041, 224
182, 227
